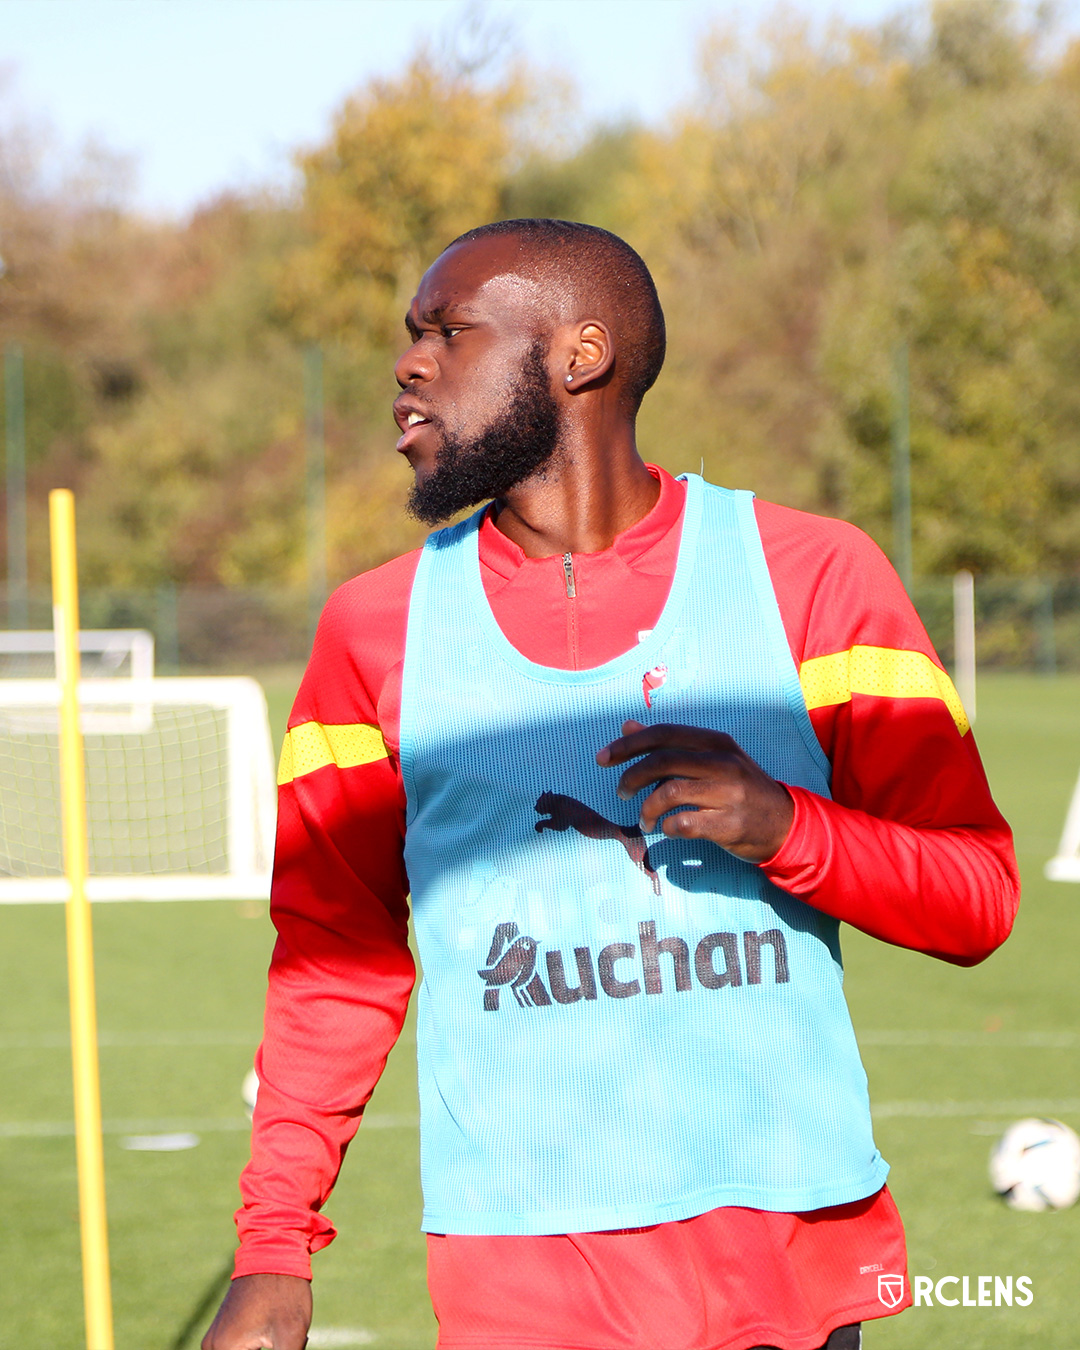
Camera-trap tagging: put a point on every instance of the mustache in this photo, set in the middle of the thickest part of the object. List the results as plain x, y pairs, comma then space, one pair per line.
519, 442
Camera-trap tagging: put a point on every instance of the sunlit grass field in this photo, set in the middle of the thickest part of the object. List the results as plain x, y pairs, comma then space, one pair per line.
952, 1055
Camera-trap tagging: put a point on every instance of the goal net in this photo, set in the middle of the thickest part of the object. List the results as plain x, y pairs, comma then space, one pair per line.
180, 789
103, 653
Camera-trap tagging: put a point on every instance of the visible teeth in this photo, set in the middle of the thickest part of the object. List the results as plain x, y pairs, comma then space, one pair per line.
415, 417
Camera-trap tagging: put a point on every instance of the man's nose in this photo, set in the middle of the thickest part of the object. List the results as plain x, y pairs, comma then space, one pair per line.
414, 364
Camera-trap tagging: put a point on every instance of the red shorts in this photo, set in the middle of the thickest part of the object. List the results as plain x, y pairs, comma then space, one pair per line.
725, 1280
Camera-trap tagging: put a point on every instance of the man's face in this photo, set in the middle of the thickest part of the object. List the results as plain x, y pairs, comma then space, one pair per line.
477, 414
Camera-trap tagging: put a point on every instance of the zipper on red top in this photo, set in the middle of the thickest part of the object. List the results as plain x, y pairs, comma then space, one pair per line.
571, 611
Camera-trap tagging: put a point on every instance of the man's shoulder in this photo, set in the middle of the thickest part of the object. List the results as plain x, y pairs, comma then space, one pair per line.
380, 595
824, 538
833, 584
359, 644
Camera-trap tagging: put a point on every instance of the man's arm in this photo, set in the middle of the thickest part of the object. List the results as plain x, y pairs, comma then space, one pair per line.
339, 984
262, 1312
912, 849
341, 971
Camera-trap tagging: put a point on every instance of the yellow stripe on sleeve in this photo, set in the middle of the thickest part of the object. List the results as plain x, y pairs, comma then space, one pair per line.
312, 746
882, 672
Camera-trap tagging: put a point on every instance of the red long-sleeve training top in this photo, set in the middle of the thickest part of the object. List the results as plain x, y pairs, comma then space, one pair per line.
911, 849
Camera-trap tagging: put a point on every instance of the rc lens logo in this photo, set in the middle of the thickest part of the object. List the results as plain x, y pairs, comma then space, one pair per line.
890, 1290
972, 1291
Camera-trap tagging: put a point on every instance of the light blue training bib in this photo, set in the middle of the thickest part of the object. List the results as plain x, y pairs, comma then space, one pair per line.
615, 1030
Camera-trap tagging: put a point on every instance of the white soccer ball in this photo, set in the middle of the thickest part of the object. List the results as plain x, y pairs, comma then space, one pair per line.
249, 1090
1035, 1165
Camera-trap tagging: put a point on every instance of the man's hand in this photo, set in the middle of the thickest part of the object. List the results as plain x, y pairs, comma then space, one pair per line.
738, 805
262, 1312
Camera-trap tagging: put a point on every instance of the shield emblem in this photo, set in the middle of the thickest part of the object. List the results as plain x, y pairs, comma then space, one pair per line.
890, 1289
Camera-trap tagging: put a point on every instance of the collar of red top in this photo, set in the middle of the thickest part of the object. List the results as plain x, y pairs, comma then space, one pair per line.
504, 557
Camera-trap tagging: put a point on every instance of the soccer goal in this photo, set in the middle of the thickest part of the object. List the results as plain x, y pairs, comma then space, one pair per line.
104, 653
180, 790
1065, 865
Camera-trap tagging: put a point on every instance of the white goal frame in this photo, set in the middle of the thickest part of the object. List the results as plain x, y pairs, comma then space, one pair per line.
134, 642
1065, 865
251, 791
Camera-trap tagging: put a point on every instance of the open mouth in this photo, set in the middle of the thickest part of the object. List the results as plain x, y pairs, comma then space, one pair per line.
414, 424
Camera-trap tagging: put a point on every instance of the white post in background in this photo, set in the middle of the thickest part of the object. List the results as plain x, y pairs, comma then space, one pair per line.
964, 639
243, 841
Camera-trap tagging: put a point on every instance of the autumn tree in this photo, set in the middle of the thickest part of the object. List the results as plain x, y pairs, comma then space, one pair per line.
824, 196
409, 164
827, 197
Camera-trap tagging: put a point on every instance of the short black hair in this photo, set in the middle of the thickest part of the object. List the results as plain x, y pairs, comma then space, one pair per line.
606, 275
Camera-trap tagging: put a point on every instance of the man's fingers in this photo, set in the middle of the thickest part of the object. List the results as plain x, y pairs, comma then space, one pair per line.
728, 829
679, 791
697, 825
663, 736
668, 764
729, 798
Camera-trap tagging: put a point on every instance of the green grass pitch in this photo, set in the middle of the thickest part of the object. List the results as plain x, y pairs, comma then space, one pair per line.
180, 989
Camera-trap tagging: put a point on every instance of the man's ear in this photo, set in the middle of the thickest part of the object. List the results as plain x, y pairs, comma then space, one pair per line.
588, 355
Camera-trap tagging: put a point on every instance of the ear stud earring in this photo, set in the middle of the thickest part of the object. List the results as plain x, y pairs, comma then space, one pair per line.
569, 379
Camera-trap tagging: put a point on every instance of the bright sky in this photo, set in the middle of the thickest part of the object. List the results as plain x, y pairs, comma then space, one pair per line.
204, 94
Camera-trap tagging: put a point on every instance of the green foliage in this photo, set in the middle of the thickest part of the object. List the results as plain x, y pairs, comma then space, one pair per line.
821, 198
409, 165
582, 185
826, 200
54, 389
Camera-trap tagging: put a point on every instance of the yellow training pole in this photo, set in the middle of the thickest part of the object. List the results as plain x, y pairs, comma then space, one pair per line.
97, 1296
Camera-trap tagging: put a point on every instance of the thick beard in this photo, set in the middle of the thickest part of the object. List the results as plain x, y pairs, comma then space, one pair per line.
519, 443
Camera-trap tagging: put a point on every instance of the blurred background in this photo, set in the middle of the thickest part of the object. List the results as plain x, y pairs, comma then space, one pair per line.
864, 223
850, 223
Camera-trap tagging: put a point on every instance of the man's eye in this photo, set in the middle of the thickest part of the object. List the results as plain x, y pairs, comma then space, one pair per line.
449, 331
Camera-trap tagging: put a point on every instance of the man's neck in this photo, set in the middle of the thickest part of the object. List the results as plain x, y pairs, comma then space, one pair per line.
582, 502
